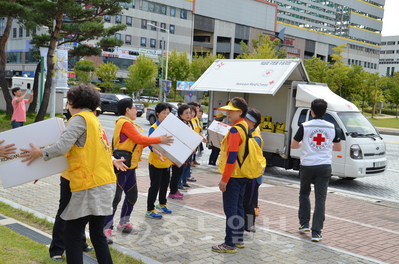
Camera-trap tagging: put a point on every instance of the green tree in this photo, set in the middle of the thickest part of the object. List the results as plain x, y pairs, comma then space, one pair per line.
201, 63
84, 70
317, 69
390, 85
107, 72
179, 68
9, 9
70, 21
263, 48
141, 75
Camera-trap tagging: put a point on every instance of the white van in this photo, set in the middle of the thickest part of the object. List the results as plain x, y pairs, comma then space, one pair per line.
281, 90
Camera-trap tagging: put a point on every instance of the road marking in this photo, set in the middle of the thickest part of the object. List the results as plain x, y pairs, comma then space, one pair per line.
335, 217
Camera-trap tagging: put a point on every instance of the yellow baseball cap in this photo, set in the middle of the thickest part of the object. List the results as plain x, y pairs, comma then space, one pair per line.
229, 106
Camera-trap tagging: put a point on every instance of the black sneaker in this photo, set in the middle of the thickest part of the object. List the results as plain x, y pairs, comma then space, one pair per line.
181, 188
316, 236
304, 228
186, 185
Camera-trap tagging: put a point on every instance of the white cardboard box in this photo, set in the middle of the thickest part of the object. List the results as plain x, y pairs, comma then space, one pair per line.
217, 131
13, 172
185, 142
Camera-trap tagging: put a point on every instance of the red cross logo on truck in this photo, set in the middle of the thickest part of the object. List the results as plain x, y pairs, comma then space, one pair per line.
319, 139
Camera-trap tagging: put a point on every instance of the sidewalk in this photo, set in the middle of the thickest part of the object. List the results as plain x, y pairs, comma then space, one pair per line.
357, 229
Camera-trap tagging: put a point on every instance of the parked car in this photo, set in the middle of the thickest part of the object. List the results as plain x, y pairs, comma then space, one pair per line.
151, 117
109, 103
150, 99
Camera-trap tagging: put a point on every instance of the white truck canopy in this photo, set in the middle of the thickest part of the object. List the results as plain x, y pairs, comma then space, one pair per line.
260, 76
306, 93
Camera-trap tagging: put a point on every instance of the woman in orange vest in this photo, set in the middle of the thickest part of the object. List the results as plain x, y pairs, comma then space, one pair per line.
90, 170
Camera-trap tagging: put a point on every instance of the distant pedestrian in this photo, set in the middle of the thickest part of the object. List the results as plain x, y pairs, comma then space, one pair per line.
213, 157
18, 103
318, 138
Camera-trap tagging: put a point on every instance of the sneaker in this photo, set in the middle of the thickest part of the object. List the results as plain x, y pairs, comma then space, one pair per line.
191, 179
240, 245
316, 236
196, 162
223, 248
153, 214
180, 194
186, 185
181, 188
175, 196
125, 228
164, 208
304, 228
108, 235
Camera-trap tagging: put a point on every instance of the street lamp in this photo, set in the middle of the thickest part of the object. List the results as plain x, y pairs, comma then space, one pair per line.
167, 48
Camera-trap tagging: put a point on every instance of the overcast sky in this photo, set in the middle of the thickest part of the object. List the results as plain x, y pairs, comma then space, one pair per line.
390, 26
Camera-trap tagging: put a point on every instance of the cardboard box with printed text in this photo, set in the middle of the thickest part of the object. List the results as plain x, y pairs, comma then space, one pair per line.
44, 133
217, 131
185, 142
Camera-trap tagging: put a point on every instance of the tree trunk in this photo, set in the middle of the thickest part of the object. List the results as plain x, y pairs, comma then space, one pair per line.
3, 63
35, 88
50, 68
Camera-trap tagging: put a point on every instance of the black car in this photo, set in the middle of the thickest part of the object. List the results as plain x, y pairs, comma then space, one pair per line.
109, 103
150, 113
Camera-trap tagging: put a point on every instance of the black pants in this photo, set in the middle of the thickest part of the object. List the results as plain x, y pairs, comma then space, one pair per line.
159, 181
214, 155
73, 239
250, 203
174, 181
57, 246
320, 176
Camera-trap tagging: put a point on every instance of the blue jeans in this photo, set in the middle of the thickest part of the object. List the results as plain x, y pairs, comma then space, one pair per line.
15, 124
233, 209
186, 172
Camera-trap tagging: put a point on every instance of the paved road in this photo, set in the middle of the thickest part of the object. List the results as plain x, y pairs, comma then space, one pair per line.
384, 186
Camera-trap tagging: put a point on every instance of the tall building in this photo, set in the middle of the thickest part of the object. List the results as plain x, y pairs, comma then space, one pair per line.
311, 28
325, 24
389, 56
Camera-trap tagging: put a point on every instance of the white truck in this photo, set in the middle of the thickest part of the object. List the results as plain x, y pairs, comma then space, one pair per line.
281, 89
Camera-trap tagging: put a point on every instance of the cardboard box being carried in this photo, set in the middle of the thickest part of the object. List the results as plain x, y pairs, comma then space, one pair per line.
44, 133
217, 131
185, 142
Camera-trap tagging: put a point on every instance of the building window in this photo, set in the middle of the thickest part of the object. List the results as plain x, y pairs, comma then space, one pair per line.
107, 18
143, 42
388, 71
153, 43
160, 44
163, 26
382, 52
144, 23
118, 19
27, 33
383, 43
390, 52
14, 32
183, 14
152, 27
129, 21
391, 43
172, 12
118, 36
128, 39
21, 32
365, 64
172, 29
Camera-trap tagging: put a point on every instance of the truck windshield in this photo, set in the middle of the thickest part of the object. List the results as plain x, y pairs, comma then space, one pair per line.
357, 125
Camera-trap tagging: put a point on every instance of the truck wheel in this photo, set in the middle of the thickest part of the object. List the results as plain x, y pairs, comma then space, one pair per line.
152, 120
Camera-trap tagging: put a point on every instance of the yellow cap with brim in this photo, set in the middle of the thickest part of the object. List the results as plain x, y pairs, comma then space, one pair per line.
229, 106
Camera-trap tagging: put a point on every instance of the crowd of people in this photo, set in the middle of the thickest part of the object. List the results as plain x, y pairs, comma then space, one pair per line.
98, 172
